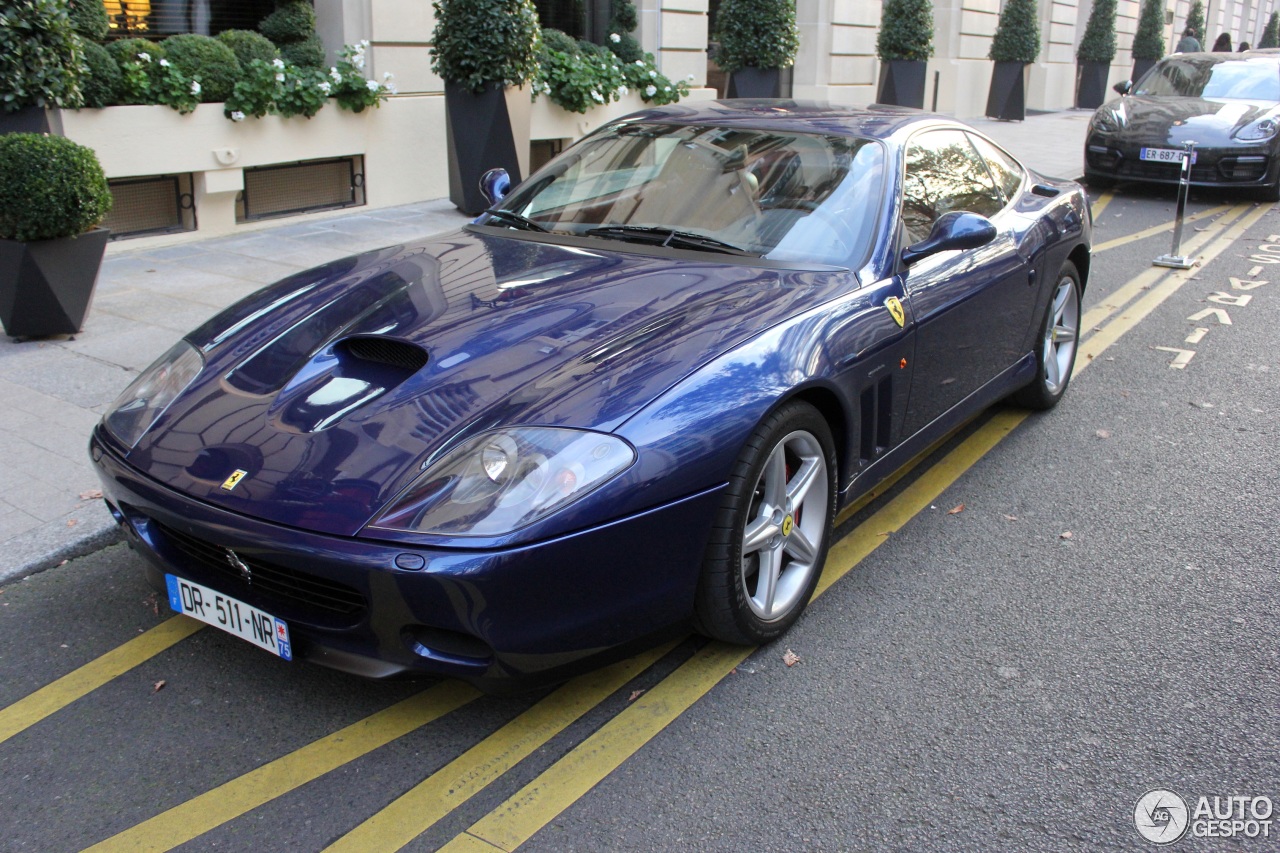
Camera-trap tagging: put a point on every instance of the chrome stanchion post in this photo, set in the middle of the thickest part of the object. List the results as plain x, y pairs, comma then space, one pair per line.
1174, 259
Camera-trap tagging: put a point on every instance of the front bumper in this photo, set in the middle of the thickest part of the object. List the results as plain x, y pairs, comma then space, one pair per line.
1227, 167
501, 619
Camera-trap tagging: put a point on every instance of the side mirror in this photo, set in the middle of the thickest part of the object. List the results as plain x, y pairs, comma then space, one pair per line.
495, 184
1123, 87
955, 230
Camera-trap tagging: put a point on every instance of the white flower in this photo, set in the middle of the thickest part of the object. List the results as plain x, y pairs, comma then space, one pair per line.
335, 75
364, 43
666, 88
164, 63
623, 91
689, 77
237, 116
358, 61
372, 85
640, 62
615, 38
391, 88
653, 73
195, 87
597, 97
650, 91
279, 77
388, 77
278, 63
324, 86
145, 57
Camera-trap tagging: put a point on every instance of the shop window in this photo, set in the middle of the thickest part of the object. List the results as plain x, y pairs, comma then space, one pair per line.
155, 19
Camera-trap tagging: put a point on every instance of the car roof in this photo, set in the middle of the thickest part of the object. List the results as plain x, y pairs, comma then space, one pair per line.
1261, 56
875, 121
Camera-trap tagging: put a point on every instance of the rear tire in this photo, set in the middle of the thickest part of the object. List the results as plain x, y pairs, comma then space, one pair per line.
1059, 339
770, 537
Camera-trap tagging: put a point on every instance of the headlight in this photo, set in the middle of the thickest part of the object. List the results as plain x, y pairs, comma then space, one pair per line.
1105, 121
144, 401
503, 480
1258, 131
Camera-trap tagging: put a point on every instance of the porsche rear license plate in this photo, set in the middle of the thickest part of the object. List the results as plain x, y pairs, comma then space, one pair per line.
235, 617
1164, 155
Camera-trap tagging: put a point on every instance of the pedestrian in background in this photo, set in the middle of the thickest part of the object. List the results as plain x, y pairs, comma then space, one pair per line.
1223, 44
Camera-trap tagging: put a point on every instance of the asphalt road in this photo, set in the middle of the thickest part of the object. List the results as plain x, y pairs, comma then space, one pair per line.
1044, 620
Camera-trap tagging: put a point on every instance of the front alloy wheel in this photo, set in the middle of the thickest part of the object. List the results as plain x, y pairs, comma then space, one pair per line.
1056, 350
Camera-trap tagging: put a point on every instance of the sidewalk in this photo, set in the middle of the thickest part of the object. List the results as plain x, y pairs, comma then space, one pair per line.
54, 391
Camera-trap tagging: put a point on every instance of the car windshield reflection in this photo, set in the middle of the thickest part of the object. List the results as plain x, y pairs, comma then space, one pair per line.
780, 195
1245, 80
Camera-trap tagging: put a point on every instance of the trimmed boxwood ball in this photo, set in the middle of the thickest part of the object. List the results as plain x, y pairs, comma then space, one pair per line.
1098, 44
906, 31
757, 34
1148, 41
50, 187
102, 82
480, 42
291, 22
1017, 36
206, 59
89, 19
308, 53
559, 41
248, 46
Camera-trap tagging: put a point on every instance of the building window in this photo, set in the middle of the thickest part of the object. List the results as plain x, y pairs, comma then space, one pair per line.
155, 19
582, 19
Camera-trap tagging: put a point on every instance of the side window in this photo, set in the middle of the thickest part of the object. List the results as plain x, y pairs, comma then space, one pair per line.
1004, 169
943, 174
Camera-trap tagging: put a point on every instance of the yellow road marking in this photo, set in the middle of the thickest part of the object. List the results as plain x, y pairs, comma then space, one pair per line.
198, 815
564, 783
59, 694
1145, 280
1157, 229
446, 789
1101, 204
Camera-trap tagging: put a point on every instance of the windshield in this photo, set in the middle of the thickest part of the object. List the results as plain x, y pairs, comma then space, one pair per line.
777, 194
1243, 79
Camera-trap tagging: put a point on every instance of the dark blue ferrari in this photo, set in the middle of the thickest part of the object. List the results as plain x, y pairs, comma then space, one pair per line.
628, 400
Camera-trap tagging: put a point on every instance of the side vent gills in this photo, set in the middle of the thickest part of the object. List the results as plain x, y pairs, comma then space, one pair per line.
875, 421
397, 354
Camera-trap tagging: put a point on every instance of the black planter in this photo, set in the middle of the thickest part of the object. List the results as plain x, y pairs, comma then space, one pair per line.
27, 120
1091, 84
46, 286
902, 83
480, 137
755, 83
1007, 97
1140, 67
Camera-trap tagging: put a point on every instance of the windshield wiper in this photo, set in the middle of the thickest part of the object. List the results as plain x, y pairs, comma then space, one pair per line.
659, 236
515, 220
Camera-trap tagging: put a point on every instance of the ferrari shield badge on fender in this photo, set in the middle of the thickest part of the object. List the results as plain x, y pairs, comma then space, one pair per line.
895, 309
236, 476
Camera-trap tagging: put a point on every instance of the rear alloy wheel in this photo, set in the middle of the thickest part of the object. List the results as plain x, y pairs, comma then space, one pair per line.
1056, 351
770, 539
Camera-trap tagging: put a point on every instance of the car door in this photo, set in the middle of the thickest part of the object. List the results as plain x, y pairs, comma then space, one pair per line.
971, 307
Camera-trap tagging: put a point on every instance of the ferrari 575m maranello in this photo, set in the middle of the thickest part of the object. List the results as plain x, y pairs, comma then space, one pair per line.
627, 401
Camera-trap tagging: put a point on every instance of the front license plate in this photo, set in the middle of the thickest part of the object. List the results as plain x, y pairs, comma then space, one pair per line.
235, 617
1164, 155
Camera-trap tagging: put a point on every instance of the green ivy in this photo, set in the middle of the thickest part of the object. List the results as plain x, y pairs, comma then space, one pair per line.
481, 42
1271, 35
906, 30
579, 75
40, 56
757, 34
50, 188
1017, 36
1098, 44
1148, 41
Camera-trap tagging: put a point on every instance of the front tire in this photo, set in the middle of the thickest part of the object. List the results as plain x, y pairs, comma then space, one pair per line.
770, 538
1058, 342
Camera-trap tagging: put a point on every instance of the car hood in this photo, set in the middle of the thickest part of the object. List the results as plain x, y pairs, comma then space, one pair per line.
332, 388
1170, 121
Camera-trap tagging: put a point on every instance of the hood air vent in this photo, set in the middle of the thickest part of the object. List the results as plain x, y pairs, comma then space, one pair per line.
394, 353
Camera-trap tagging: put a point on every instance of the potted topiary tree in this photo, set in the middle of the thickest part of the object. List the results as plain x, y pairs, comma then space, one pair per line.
904, 45
1093, 56
1271, 35
52, 193
758, 38
1015, 46
1148, 41
485, 50
40, 60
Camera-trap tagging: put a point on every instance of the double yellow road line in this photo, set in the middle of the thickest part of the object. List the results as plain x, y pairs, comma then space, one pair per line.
573, 775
